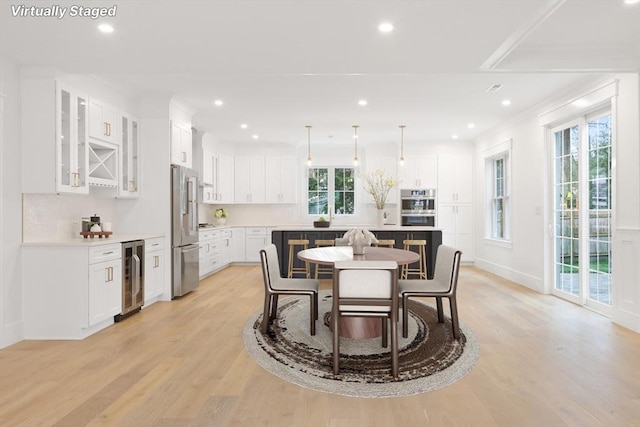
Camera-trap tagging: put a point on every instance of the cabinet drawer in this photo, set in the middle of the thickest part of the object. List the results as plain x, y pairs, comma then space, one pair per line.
105, 253
256, 231
152, 245
208, 235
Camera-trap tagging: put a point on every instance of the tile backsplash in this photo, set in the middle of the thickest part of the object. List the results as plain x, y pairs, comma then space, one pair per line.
47, 217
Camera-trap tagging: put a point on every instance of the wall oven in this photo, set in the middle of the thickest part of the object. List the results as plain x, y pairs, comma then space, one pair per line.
418, 207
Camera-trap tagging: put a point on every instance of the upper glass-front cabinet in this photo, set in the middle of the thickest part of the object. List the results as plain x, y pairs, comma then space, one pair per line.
129, 158
71, 141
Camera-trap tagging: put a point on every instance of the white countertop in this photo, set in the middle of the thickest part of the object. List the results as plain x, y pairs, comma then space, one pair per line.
82, 242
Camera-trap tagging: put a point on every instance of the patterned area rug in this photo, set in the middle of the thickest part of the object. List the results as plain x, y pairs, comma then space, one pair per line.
430, 358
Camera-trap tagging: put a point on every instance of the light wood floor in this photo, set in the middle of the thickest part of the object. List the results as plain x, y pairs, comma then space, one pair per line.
543, 362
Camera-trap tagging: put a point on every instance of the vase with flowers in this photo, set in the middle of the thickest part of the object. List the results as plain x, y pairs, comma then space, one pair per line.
221, 216
378, 184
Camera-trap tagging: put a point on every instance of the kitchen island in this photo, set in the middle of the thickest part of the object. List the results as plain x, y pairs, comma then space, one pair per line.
281, 235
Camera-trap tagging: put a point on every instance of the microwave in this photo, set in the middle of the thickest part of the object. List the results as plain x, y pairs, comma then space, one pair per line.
418, 201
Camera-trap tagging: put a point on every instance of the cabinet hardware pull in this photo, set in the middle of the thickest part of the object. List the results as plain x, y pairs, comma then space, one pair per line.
107, 253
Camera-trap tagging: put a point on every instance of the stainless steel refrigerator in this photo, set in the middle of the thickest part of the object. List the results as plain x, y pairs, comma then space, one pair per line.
184, 230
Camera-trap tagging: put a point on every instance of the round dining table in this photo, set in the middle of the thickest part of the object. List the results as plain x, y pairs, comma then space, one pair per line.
358, 327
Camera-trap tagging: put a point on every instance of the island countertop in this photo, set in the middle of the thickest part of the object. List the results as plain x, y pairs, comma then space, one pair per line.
345, 227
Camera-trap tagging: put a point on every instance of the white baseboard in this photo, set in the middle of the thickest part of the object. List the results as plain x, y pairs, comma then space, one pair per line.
527, 280
11, 334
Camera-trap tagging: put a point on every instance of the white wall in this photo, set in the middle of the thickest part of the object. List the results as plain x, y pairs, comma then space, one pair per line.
525, 260
11, 308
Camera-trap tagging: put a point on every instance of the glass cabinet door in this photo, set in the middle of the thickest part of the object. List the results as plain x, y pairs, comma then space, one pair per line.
71, 140
129, 158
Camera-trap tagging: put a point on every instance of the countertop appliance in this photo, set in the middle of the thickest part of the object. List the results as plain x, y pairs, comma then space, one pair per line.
418, 207
184, 230
132, 278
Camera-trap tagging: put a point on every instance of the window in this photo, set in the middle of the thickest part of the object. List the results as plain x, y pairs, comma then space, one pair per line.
499, 198
497, 185
331, 190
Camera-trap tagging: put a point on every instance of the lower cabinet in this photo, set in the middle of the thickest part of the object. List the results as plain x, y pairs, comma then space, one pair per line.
154, 266
255, 239
238, 244
209, 251
105, 283
281, 239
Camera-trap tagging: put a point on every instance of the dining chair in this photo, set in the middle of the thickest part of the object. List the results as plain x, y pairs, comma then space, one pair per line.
443, 285
275, 285
366, 289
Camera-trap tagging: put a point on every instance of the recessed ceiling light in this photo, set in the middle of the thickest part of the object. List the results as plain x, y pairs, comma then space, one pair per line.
631, 1
494, 87
385, 27
244, 126
255, 136
471, 125
506, 102
218, 102
362, 102
105, 28
454, 136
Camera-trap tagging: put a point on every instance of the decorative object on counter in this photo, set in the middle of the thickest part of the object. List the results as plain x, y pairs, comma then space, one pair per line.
378, 184
93, 234
358, 238
106, 226
95, 228
221, 216
321, 223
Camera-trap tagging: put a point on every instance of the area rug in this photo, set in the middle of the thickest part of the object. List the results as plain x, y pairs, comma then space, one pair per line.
430, 358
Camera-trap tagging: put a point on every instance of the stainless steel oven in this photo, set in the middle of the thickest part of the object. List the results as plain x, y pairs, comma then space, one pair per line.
418, 207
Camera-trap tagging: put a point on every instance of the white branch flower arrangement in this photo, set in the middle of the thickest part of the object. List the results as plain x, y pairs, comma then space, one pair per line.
378, 184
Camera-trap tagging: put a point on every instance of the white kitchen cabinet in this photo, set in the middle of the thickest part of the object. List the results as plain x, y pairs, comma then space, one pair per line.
71, 142
104, 122
456, 223
280, 180
154, 265
209, 254
256, 238
238, 244
226, 247
223, 179
207, 167
105, 283
455, 176
249, 180
129, 172
207, 195
181, 145
419, 171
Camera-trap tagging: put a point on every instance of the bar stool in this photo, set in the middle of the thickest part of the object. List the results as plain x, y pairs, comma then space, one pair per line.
389, 243
421, 271
304, 244
324, 269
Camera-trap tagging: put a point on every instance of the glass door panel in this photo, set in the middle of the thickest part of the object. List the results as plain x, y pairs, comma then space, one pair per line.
582, 212
66, 160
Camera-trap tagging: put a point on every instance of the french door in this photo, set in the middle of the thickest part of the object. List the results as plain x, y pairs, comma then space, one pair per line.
582, 174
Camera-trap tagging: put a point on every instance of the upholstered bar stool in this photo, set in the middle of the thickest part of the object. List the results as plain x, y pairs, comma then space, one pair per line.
389, 243
421, 271
302, 244
324, 269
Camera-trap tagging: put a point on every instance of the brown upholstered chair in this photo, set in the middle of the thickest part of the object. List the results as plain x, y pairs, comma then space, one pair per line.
366, 289
275, 285
443, 285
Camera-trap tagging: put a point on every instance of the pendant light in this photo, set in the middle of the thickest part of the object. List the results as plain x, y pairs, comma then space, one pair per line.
309, 161
402, 144
355, 141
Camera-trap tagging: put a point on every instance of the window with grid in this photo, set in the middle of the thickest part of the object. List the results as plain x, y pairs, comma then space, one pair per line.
331, 190
499, 199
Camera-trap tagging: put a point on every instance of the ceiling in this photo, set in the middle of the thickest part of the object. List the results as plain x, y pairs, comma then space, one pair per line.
281, 65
